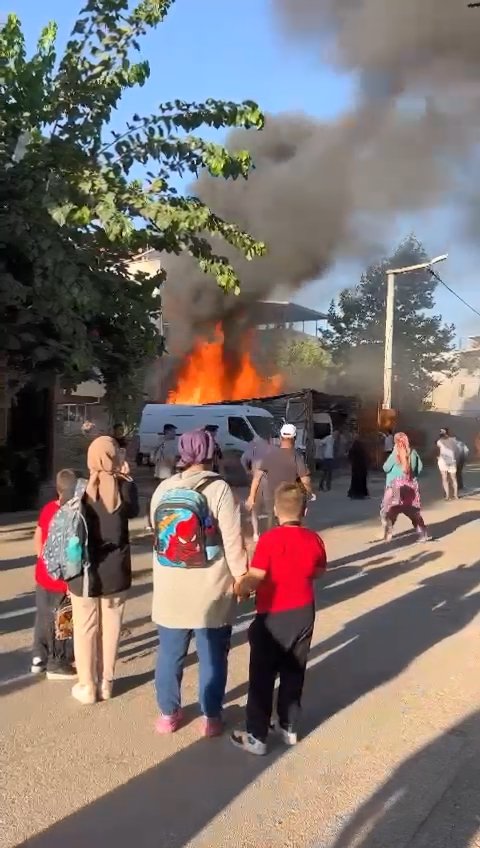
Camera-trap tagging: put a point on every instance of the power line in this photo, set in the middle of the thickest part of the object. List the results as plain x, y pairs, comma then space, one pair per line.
452, 291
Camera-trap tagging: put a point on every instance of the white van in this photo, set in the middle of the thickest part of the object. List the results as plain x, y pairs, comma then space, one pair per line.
238, 424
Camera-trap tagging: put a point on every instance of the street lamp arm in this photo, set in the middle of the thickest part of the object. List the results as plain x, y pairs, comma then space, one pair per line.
420, 266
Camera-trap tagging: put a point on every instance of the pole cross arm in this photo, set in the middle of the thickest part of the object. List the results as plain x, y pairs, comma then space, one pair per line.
420, 266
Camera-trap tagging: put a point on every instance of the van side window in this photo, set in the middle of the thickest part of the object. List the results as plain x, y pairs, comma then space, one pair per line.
239, 428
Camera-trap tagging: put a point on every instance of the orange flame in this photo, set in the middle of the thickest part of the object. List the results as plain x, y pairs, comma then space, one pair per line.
205, 377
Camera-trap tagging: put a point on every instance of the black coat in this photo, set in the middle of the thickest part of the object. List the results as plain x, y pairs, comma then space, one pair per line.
110, 570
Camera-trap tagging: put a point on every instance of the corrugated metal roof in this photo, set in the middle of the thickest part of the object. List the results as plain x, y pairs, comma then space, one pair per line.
285, 312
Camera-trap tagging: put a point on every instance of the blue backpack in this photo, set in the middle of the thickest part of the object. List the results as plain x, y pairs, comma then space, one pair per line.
186, 533
65, 551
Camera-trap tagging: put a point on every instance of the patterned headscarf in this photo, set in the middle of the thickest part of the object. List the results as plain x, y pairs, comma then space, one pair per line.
195, 448
403, 452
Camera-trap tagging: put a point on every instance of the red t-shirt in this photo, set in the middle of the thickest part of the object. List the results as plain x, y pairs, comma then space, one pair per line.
291, 556
42, 576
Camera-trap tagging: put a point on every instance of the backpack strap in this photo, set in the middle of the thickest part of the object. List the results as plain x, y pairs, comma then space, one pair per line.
202, 485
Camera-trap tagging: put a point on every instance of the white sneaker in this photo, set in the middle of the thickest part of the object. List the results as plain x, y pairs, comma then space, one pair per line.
38, 666
247, 742
86, 695
288, 737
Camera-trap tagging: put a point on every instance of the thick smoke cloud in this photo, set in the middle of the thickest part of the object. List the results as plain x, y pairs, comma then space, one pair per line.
323, 192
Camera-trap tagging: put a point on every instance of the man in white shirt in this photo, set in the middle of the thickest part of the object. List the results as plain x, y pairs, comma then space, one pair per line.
164, 461
447, 463
328, 455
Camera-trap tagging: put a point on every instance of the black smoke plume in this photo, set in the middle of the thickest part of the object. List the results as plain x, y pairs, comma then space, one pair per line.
323, 192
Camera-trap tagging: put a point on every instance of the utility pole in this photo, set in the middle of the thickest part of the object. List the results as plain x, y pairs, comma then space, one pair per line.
389, 323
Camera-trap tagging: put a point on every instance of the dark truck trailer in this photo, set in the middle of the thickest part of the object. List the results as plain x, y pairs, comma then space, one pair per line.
300, 407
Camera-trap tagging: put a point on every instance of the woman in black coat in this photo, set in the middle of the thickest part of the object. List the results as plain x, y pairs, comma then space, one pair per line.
359, 463
99, 595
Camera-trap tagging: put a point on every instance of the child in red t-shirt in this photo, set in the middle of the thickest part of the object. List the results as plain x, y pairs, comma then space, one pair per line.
49, 654
285, 564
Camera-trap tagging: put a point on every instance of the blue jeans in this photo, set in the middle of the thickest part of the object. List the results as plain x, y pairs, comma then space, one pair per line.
213, 645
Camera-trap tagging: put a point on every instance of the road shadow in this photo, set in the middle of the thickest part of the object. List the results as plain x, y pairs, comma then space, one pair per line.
14, 564
431, 800
153, 809
19, 613
329, 591
438, 530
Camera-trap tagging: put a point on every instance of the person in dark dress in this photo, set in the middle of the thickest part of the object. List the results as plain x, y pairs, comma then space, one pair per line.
217, 461
98, 595
359, 464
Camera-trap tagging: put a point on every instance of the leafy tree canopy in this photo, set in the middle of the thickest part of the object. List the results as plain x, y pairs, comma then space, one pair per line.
72, 207
304, 353
421, 341
304, 362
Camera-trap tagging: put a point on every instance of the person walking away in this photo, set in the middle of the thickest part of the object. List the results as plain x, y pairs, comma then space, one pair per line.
118, 434
461, 455
51, 655
326, 468
286, 562
388, 443
218, 465
358, 458
447, 463
402, 494
98, 596
250, 460
198, 555
164, 464
282, 464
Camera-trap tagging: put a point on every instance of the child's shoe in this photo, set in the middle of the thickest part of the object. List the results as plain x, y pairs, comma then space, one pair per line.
288, 736
38, 666
65, 672
247, 742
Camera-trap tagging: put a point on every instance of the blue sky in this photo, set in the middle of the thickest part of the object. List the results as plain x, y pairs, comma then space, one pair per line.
233, 50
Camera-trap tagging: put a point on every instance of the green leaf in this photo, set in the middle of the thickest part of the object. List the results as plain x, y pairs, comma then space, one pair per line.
71, 217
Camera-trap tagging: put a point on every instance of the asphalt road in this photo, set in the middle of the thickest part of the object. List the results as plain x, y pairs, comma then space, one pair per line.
391, 723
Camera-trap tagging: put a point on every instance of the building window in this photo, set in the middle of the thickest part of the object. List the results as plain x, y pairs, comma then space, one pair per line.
461, 390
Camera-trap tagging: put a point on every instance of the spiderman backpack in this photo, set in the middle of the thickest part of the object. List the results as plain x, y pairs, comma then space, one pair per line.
186, 533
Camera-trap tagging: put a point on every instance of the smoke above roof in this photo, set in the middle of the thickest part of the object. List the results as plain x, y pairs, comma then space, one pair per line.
323, 192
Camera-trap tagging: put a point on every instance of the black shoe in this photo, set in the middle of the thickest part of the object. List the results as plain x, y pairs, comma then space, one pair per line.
61, 672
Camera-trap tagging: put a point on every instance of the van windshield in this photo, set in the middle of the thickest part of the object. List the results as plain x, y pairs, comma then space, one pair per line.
262, 425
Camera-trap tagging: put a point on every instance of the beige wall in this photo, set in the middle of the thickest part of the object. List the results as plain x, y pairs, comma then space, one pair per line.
459, 395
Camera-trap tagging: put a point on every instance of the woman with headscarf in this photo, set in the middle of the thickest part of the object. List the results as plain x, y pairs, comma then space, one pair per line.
193, 595
402, 494
358, 458
98, 596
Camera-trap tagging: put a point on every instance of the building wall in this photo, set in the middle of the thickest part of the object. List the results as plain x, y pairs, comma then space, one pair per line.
459, 395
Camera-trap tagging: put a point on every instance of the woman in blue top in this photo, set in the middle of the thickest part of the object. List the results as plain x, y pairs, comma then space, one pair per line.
402, 495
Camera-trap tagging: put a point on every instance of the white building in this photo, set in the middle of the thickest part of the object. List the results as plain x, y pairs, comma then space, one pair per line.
460, 394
